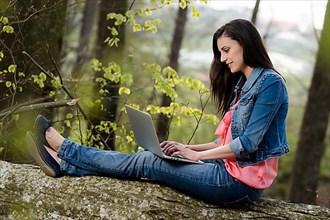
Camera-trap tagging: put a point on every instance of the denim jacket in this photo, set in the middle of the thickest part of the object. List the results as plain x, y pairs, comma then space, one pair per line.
258, 122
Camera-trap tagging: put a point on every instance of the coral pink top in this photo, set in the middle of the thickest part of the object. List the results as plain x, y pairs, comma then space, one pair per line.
259, 176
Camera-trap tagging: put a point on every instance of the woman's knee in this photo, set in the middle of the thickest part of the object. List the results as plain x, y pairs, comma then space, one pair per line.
146, 154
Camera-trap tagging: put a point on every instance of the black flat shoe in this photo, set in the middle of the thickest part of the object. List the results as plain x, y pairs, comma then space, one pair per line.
46, 162
41, 124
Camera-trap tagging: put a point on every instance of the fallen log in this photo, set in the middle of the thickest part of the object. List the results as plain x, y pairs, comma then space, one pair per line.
27, 193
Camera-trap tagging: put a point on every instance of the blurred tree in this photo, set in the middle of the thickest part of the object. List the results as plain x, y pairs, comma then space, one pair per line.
163, 121
36, 23
255, 12
87, 24
106, 110
83, 54
310, 149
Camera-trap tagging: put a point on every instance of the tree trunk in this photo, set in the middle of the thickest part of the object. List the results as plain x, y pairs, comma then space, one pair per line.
255, 12
27, 193
83, 53
36, 23
106, 54
306, 167
83, 50
163, 122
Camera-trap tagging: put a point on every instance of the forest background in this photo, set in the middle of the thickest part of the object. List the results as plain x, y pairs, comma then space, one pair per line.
155, 56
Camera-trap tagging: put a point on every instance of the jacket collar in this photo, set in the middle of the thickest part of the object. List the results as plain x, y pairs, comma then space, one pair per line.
252, 78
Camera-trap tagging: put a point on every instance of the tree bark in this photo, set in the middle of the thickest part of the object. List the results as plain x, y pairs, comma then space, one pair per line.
83, 49
27, 193
310, 150
83, 52
163, 122
106, 54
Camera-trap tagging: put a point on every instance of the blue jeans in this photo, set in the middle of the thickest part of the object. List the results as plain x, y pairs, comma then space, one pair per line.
209, 181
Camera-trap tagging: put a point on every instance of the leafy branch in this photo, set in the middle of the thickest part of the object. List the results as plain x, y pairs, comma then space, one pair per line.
30, 107
198, 119
64, 89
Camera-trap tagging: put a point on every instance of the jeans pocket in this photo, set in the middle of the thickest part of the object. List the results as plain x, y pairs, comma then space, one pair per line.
228, 184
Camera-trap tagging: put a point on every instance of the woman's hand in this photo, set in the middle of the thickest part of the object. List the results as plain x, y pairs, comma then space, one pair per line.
176, 149
169, 147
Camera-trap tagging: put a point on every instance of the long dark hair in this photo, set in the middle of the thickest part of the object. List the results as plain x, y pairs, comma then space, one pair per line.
254, 55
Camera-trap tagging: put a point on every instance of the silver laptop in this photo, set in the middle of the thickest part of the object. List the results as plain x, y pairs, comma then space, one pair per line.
145, 134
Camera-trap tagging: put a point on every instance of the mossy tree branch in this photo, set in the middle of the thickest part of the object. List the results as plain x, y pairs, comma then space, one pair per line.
27, 193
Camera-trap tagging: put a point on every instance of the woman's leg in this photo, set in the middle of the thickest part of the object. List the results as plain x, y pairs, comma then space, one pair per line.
209, 181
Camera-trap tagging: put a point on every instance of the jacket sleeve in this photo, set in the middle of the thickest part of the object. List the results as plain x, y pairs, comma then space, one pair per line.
271, 95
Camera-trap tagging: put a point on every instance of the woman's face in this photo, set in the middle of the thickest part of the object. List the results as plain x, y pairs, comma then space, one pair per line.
231, 53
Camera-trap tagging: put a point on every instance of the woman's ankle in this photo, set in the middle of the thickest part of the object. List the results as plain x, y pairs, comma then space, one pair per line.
54, 139
53, 154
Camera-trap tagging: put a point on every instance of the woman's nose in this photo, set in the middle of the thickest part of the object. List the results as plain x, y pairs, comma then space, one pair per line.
222, 58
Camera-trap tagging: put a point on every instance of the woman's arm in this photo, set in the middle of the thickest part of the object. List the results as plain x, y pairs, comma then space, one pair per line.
170, 146
201, 147
271, 98
197, 152
222, 152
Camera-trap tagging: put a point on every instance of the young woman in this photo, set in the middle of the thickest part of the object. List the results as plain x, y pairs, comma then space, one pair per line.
238, 166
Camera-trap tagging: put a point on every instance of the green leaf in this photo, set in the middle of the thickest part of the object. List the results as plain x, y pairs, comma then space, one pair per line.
119, 18
126, 79
169, 72
111, 16
112, 41
43, 76
56, 84
129, 139
96, 65
38, 80
21, 74
8, 29
183, 4
130, 14
1, 55
67, 123
153, 109
139, 12
4, 20
148, 12
195, 13
51, 94
149, 26
114, 31
158, 22
115, 67
108, 75
178, 121
8, 84
69, 116
12, 68
137, 28
124, 90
